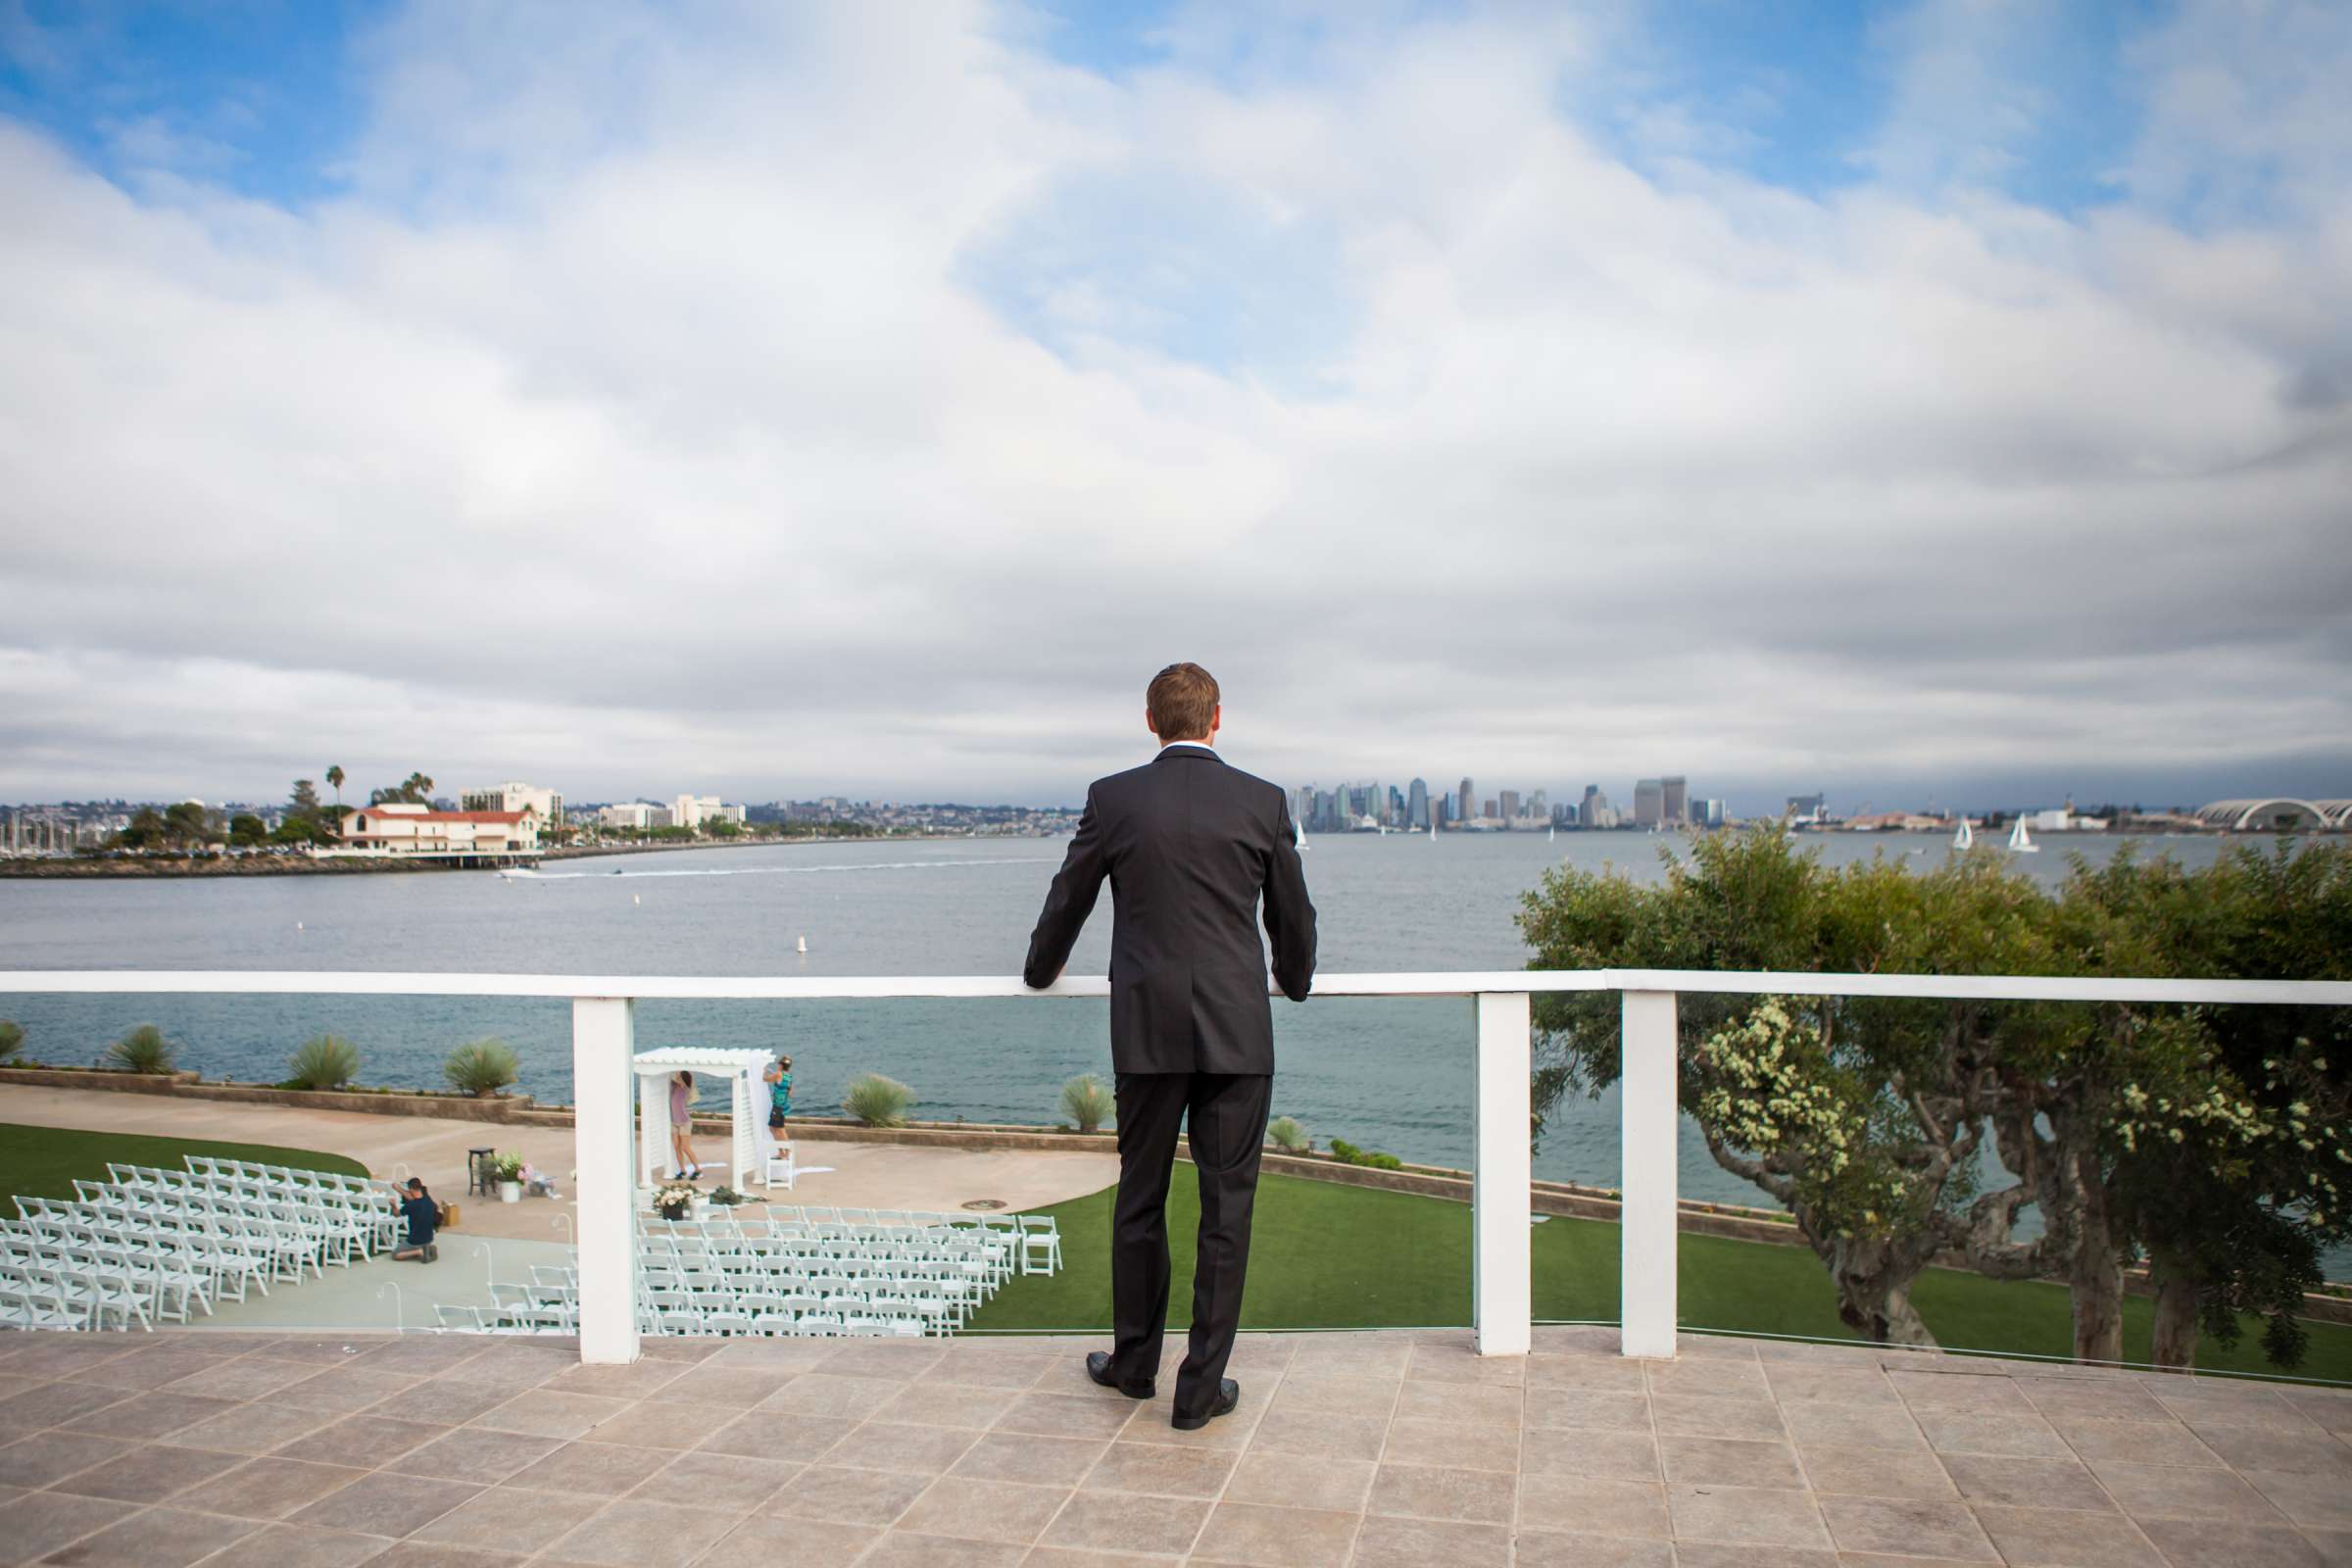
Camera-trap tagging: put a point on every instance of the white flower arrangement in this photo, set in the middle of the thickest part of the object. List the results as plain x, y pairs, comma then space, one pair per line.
676, 1195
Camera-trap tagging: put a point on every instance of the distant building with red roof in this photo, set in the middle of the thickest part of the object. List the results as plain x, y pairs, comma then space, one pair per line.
397, 828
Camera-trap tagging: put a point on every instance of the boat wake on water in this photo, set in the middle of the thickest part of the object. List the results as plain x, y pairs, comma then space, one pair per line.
783, 871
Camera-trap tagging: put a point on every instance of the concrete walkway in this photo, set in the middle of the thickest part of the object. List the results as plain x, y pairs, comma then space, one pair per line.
865, 1175
1377, 1450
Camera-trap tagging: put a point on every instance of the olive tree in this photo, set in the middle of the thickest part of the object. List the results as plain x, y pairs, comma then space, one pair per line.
1864, 1118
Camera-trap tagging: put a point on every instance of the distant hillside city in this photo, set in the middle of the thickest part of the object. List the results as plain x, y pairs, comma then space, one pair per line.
518, 822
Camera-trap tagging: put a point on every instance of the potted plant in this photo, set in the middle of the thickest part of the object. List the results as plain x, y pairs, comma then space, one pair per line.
673, 1199
508, 1169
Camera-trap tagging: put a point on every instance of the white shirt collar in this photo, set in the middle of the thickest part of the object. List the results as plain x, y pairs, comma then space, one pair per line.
1201, 745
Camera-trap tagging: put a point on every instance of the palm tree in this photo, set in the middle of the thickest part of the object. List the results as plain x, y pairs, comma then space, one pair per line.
334, 778
417, 788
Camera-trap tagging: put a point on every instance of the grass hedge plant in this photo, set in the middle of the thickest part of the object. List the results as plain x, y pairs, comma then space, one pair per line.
878, 1102
143, 1050
481, 1068
323, 1061
1285, 1134
1088, 1102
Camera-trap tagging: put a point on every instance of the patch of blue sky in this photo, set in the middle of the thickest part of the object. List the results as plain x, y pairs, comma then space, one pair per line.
1808, 95
1236, 44
1156, 259
257, 96
1113, 38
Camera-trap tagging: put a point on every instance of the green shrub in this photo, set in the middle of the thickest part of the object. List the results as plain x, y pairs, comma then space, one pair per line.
143, 1050
1086, 1101
327, 1061
1347, 1154
878, 1102
12, 1038
1288, 1136
509, 1166
481, 1068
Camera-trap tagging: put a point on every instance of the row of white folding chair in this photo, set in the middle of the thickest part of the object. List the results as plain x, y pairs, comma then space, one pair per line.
726, 1322
770, 1273
377, 1200
225, 1265
286, 1240
256, 1170
990, 1263
178, 1287
996, 1249
331, 1230
358, 1196
36, 1298
339, 1231
934, 1300
96, 1292
346, 1224
282, 1252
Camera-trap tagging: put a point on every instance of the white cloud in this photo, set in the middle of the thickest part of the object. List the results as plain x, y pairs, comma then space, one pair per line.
645, 417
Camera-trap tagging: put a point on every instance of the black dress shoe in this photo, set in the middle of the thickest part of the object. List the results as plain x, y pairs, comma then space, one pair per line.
1229, 1394
1098, 1367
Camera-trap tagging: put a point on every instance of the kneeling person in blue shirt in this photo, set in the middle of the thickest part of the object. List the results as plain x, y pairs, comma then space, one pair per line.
425, 1217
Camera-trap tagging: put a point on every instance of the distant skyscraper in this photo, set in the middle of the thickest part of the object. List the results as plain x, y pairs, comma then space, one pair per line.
1303, 814
1649, 803
1594, 799
1510, 807
1706, 813
1676, 805
1376, 802
1539, 806
1416, 806
1468, 808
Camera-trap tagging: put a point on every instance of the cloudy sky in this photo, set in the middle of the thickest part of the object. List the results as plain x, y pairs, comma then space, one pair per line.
1948, 400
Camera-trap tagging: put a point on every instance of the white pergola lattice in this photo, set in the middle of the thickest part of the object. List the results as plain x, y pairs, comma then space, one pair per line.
742, 1068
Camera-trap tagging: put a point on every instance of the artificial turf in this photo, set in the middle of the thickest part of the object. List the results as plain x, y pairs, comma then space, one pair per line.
43, 1161
1324, 1255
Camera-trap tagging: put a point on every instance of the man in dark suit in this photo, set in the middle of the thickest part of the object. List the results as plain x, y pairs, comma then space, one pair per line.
1191, 847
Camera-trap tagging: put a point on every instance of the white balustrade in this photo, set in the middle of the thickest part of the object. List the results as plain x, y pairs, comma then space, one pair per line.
602, 1089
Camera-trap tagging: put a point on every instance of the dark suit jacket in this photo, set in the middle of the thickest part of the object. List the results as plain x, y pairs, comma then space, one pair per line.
1190, 846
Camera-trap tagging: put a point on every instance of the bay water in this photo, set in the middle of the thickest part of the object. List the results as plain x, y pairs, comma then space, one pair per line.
1385, 1074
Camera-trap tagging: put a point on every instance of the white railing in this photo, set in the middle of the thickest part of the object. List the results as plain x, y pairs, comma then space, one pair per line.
603, 1035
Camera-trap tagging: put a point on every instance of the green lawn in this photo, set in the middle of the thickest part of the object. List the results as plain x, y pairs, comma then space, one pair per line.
1323, 1256
42, 1162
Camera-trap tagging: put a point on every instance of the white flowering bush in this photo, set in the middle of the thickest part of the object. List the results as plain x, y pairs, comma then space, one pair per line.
1770, 1088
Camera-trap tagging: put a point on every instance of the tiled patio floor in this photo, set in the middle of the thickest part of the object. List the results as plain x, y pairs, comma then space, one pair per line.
1375, 1449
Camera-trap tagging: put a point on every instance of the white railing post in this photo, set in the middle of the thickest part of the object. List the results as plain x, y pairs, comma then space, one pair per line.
1502, 1296
1650, 1122
603, 1092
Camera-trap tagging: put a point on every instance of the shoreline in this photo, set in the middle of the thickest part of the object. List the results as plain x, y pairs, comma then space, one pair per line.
225, 866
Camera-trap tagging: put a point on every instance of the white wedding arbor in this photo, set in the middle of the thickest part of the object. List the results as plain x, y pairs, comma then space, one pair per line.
742, 1068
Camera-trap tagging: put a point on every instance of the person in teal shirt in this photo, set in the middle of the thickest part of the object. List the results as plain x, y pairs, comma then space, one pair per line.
778, 1078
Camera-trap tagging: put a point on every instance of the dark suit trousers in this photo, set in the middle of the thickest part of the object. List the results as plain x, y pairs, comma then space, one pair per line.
1227, 1113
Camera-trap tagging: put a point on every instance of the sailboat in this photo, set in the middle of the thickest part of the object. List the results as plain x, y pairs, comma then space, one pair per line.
1965, 837
2020, 842
1298, 837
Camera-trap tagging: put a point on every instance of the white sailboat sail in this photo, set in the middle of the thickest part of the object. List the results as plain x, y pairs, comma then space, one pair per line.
1299, 836
1965, 837
2021, 842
